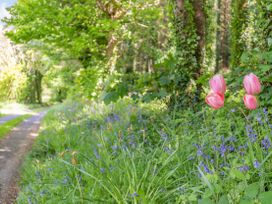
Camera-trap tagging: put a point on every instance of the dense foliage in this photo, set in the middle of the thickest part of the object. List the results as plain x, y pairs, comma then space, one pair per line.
144, 49
137, 72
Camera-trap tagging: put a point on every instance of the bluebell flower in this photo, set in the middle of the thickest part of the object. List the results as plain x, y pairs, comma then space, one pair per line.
168, 150
251, 133
223, 139
265, 111
244, 168
259, 119
266, 143
65, 180
242, 153
102, 170
242, 147
222, 173
96, 154
214, 148
163, 135
43, 192
114, 147
29, 200
256, 164
231, 148
190, 158
135, 194
38, 174
199, 149
222, 150
232, 139
116, 117
205, 167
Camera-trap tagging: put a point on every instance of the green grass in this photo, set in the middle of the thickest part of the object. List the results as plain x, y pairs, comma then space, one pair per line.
138, 153
7, 127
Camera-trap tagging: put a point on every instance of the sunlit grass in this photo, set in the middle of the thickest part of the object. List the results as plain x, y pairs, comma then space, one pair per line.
12, 108
7, 127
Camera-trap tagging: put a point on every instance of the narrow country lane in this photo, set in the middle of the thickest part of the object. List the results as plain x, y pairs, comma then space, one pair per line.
12, 150
8, 118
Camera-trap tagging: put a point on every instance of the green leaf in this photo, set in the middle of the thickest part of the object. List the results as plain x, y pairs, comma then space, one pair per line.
252, 190
205, 201
237, 174
246, 201
223, 200
266, 197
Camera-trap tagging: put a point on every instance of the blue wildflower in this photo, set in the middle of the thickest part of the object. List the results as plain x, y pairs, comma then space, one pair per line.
96, 154
265, 111
163, 135
266, 143
244, 168
232, 139
222, 150
102, 170
205, 167
190, 158
116, 117
259, 119
256, 164
251, 133
135, 194
114, 147
222, 173
168, 150
231, 148
199, 150
29, 200
65, 181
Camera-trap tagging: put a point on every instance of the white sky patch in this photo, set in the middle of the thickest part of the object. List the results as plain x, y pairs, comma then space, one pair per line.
3, 11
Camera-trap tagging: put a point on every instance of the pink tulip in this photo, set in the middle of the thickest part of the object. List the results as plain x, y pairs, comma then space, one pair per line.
250, 102
215, 100
252, 84
218, 84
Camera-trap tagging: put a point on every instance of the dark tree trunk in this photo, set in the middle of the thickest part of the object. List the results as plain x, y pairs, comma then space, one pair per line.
200, 21
200, 31
225, 33
38, 86
218, 34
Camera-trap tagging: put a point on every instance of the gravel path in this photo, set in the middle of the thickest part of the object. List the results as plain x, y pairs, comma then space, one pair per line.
8, 118
12, 150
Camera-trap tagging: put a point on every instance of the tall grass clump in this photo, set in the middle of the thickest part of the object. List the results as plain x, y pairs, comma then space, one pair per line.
137, 153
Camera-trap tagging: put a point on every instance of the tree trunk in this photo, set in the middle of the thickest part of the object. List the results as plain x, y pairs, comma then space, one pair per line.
200, 31
225, 33
218, 34
237, 24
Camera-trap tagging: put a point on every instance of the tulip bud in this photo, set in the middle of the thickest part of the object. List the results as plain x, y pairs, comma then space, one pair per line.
218, 84
215, 100
250, 102
252, 84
